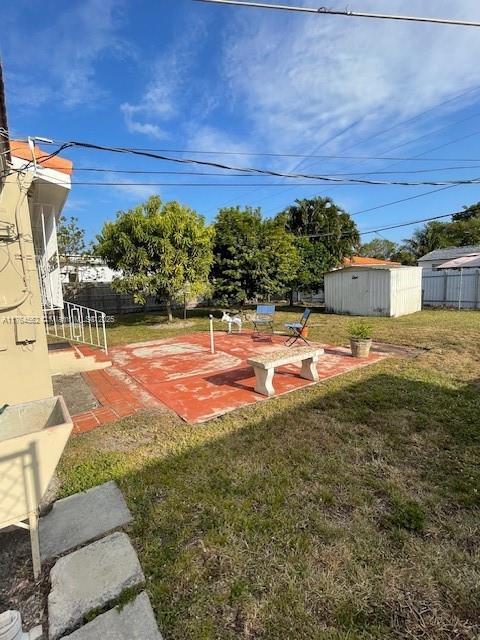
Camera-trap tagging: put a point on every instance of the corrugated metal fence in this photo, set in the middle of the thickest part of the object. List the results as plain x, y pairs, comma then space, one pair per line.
458, 288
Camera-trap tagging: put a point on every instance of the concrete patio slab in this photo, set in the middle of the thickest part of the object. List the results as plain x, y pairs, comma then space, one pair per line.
135, 621
80, 518
90, 578
183, 374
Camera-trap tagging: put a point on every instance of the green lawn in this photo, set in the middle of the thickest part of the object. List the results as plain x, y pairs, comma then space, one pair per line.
346, 510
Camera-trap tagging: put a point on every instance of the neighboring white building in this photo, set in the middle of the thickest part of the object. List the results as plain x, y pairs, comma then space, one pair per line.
435, 259
374, 291
83, 269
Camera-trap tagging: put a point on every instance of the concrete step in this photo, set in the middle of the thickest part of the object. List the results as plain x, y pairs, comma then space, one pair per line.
90, 579
65, 361
80, 518
135, 621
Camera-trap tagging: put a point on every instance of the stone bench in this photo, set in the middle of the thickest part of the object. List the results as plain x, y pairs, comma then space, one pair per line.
264, 366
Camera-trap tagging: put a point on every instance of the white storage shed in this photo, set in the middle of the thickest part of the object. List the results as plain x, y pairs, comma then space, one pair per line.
374, 291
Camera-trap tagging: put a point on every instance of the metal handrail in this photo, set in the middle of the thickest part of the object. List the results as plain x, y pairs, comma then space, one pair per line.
78, 323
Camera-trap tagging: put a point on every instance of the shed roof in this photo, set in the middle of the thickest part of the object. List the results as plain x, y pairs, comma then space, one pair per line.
450, 253
361, 261
393, 266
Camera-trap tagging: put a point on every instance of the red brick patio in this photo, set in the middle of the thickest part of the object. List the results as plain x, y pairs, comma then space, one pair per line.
180, 373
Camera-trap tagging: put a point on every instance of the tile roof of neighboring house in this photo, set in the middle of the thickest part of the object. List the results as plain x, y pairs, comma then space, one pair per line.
360, 261
21, 150
4, 145
450, 253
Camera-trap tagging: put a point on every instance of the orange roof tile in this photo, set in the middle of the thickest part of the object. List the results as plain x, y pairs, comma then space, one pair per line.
20, 149
363, 261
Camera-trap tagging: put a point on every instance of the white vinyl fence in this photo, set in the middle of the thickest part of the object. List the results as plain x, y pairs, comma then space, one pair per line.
459, 288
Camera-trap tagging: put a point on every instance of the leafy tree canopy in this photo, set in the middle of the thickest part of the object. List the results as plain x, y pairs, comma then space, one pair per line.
430, 237
325, 234
162, 249
70, 237
379, 248
254, 258
438, 235
473, 211
404, 257
464, 232
321, 221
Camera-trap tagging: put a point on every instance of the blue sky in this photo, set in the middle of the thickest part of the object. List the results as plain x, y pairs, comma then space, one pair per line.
176, 74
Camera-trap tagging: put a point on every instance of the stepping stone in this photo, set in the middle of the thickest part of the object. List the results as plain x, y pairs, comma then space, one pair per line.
85, 516
90, 578
135, 621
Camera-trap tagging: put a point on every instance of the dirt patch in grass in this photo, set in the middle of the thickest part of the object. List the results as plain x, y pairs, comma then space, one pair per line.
18, 588
171, 326
398, 350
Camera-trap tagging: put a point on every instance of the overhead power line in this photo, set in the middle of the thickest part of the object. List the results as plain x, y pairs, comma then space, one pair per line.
346, 12
234, 185
218, 152
387, 228
252, 171
244, 175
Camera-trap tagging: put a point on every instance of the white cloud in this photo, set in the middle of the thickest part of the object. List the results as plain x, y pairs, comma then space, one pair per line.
57, 63
135, 191
166, 89
207, 137
302, 79
134, 126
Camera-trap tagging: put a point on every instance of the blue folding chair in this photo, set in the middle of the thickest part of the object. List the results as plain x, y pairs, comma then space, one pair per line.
263, 318
297, 329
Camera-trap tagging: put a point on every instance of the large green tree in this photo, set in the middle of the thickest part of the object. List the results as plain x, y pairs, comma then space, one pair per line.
70, 238
473, 211
162, 250
463, 232
379, 248
325, 234
428, 238
253, 258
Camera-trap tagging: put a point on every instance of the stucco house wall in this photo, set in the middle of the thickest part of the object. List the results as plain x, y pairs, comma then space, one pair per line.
24, 366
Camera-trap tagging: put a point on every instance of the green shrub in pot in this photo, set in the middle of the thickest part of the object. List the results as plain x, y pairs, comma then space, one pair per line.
360, 333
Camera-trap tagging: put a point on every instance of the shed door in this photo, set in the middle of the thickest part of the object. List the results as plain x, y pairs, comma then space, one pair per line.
356, 293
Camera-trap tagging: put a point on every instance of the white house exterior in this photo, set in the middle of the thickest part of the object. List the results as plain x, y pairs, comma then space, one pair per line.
47, 194
86, 269
374, 291
47, 197
435, 259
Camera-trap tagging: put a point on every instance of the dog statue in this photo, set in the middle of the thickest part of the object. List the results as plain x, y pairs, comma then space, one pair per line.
236, 320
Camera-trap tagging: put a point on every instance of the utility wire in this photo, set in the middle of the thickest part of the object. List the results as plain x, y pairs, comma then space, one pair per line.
243, 175
219, 152
246, 170
380, 229
353, 14
390, 204
255, 185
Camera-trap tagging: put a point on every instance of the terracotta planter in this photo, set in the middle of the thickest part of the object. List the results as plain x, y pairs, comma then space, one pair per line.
304, 332
360, 347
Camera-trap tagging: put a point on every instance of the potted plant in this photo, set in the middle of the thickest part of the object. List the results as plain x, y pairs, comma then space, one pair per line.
360, 333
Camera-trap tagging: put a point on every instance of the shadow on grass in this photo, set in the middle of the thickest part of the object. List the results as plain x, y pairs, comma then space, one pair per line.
337, 515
